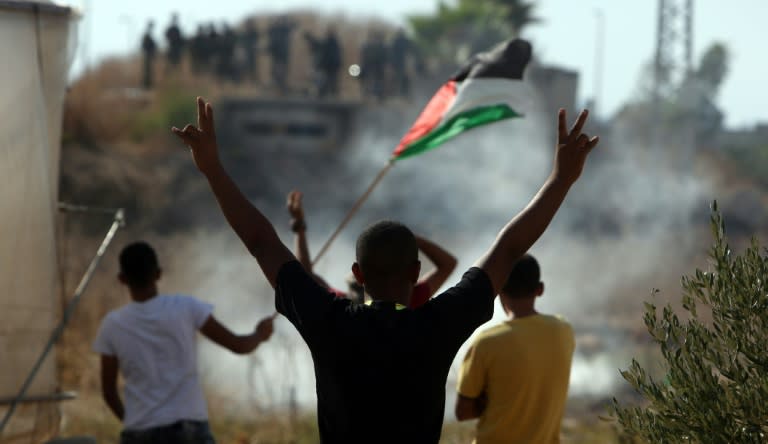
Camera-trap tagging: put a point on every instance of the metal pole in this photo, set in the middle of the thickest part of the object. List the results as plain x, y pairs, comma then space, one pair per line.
659, 67
599, 55
119, 221
688, 16
353, 210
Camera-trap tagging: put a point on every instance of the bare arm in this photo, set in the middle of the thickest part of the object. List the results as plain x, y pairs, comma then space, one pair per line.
471, 398
255, 231
469, 408
299, 228
444, 262
109, 368
240, 344
525, 228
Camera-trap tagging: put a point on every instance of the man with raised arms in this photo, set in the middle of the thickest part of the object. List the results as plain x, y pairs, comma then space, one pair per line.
381, 372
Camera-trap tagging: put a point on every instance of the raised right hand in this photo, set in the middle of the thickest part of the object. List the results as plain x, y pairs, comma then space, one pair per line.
293, 203
572, 148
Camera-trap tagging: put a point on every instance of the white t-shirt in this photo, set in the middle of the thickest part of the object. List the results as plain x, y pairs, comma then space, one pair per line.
155, 344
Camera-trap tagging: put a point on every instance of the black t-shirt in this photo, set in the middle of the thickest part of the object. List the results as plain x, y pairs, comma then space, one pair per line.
381, 372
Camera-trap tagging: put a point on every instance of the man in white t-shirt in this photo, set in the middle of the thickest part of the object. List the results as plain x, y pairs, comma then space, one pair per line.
152, 342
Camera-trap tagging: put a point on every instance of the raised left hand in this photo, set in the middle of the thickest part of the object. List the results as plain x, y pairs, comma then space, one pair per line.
201, 139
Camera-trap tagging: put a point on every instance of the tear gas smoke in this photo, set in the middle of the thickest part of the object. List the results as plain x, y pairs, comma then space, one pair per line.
615, 227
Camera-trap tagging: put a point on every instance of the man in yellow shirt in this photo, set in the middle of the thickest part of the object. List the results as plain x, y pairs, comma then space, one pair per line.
515, 375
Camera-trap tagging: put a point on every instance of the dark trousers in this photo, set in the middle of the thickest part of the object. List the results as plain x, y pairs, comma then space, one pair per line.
182, 432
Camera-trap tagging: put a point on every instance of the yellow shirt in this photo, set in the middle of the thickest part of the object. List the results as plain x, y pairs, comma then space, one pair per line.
523, 367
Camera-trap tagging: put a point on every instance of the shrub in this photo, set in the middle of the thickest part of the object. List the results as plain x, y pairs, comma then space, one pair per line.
716, 384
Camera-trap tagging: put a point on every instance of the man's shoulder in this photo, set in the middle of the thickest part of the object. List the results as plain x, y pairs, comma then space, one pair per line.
463, 307
557, 320
194, 308
176, 299
113, 319
474, 279
476, 274
116, 314
301, 298
559, 325
293, 277
291, 268
491, 334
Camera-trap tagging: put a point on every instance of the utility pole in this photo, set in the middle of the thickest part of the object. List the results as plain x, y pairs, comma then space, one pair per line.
673, 63
597, 88
674, 45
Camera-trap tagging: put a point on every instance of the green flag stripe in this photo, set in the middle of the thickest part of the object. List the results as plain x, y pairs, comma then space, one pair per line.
457, 125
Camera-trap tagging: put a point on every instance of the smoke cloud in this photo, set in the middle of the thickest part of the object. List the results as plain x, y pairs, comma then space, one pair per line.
626, 222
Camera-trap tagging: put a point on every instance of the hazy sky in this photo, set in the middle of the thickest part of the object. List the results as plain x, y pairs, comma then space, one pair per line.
566, 37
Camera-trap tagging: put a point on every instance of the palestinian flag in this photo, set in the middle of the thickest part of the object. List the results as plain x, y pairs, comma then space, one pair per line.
484, 91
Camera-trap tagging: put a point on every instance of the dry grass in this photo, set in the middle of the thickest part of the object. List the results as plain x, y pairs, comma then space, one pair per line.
88, 416
231, 421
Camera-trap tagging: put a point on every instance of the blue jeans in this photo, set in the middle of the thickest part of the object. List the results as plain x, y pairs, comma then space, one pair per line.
182, 432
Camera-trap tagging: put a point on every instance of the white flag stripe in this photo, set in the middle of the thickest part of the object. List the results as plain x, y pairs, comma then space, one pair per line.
476, 93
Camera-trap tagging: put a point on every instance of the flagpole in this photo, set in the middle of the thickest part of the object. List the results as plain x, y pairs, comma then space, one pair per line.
353, 210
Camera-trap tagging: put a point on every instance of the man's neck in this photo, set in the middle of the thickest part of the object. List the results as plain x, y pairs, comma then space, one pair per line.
394, 295
521, 313
143, 294
519, 308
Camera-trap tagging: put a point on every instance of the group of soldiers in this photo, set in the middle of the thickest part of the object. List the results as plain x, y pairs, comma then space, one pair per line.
233, 56
384, 65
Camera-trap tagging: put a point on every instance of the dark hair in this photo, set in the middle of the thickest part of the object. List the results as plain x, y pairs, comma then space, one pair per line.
385, 249
524, 278
138, 264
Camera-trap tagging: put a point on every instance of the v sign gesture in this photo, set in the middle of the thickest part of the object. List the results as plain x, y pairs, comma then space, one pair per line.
254, 230
201, 139
527, 226
572, 148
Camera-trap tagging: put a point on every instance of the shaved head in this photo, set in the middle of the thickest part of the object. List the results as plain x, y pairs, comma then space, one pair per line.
524, 279
386, 249
138, 265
